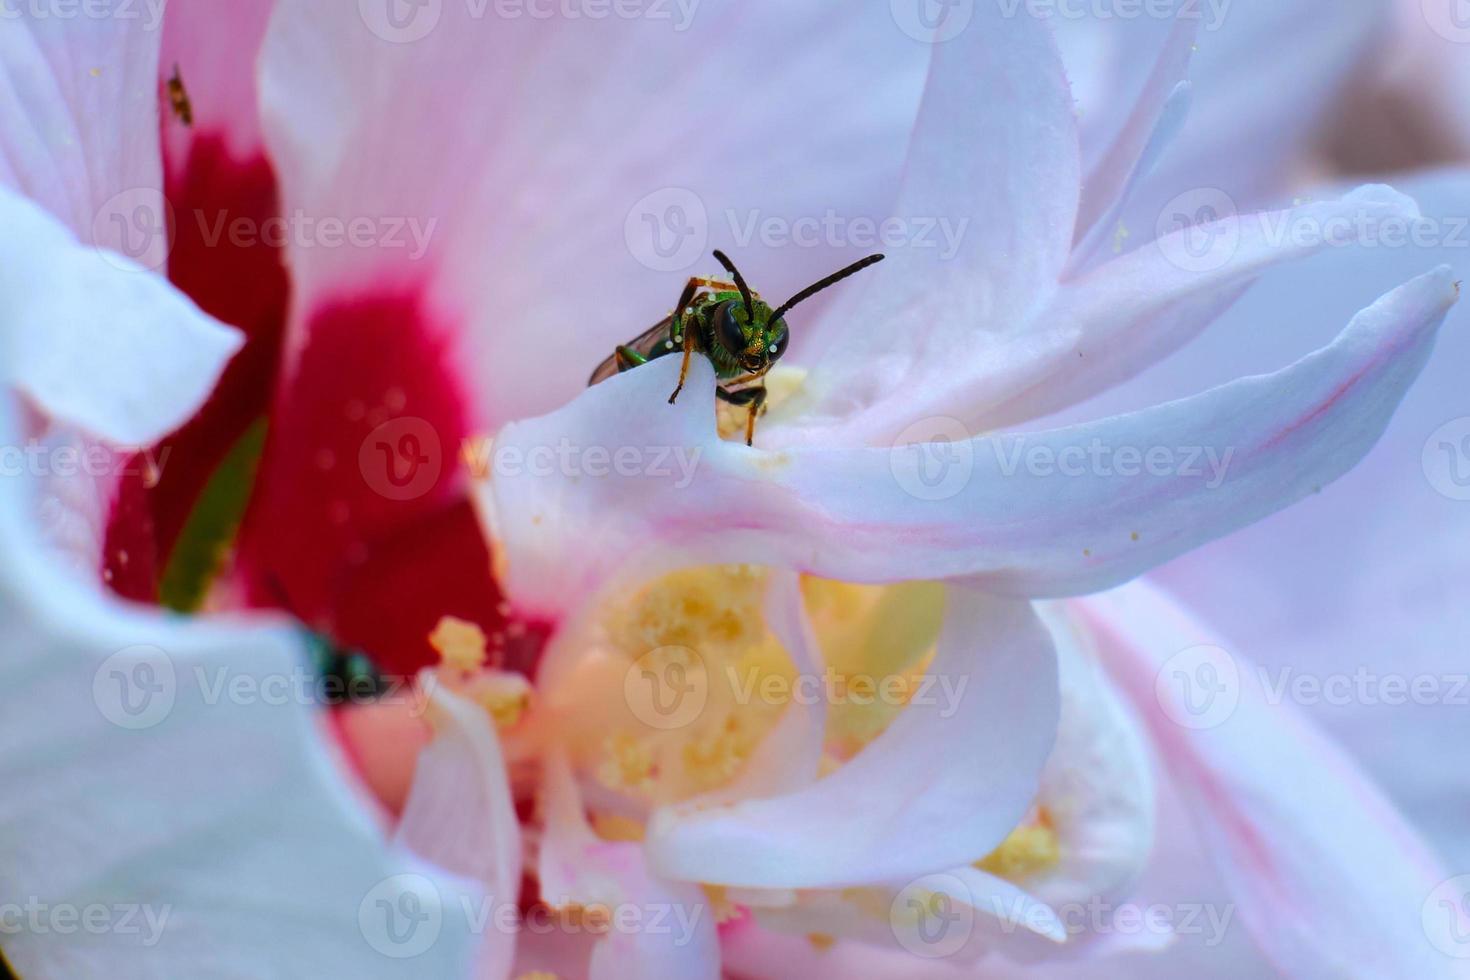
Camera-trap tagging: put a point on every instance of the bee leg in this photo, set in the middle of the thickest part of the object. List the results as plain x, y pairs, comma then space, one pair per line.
628, 358
679, 332
755, 398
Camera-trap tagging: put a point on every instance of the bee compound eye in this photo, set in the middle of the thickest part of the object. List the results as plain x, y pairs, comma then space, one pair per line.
727, 329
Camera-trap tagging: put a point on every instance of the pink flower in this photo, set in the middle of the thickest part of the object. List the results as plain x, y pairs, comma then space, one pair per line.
441, 233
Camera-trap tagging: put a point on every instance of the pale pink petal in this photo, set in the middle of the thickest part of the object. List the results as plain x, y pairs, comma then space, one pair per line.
460, 814
79, 100
995, 156
1062, 512
214, 45
1248, 129
1157, 113
576, 867
858, 825
1329, 879
1370, 578
94, 339
536, 159
1125, 315
167, 766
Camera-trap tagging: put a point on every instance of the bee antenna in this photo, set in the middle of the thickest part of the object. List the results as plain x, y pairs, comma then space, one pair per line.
739, 282
817, 287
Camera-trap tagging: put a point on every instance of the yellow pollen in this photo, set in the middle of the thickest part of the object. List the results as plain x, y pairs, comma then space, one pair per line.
538, 975
1028, 850
504, 695
719, 902
627, 765
616, 827
821, 941
460, 644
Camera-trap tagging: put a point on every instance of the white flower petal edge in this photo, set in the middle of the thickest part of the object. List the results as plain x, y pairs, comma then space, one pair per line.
461, 816
267, 863
95, 340
1328, 877
1071, 526
858, 824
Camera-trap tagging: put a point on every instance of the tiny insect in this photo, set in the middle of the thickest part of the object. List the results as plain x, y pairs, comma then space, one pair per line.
178, 98
732, 326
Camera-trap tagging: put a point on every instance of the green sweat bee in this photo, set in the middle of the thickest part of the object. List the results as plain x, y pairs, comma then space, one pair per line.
737, 330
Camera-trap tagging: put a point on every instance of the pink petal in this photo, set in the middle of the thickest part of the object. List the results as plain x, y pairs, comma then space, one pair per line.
215, 44
857, 825
518, 224
577, 867
1329, 879
1009, 172
79, 124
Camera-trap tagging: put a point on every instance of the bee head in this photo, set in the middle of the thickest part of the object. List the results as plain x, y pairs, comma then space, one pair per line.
756, 335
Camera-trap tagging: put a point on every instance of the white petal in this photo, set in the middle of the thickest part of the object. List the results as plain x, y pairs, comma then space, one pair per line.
94, 339
170, 768
1329, 879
